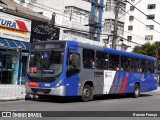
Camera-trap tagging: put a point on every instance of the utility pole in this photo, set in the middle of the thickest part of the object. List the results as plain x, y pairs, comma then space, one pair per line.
116, 24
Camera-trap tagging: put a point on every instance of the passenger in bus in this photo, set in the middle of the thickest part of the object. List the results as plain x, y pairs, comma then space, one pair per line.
93, 64
117, 67
139, 69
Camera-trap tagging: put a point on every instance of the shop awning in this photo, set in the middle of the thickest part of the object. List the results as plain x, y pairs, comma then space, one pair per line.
14, 44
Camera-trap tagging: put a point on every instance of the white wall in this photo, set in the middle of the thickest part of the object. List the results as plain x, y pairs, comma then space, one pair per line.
139, 29
58, 6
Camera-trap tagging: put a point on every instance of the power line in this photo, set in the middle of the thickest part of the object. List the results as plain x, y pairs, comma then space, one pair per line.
143, 13
142, 22
61, 14
73, 29
42, 5
129, 9
134, 34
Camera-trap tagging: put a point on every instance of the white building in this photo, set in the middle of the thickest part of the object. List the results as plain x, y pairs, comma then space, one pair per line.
74, 14
139, 28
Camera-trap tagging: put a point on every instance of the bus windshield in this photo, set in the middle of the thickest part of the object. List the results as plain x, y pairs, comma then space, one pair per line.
46, 63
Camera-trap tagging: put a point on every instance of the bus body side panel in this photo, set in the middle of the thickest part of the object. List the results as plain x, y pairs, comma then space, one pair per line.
147, 82
120, 82
71, 83
123, 82
85, 75
72, 86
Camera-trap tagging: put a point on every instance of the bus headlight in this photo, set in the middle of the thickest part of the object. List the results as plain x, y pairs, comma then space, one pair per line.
58, 83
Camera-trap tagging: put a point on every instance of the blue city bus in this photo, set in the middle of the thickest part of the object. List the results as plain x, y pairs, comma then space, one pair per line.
72, 68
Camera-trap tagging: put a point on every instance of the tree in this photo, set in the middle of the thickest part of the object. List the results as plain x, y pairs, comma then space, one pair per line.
150, 50
146, 49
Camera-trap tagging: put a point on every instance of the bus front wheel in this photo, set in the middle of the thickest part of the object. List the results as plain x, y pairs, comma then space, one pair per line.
87, 93
136, 92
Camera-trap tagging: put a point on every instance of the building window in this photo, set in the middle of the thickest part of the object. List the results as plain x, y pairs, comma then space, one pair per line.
130, 27
75, 14
129, 38
110, 5
150, 27
109, 26
151, 6
131, 8
131, 18
148, 37
151, 17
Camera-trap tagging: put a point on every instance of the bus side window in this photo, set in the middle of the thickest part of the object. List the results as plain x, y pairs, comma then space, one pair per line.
143, 65
73, 64
151, 67
135, 64
114, 62
125, 63
102, 60
88, 59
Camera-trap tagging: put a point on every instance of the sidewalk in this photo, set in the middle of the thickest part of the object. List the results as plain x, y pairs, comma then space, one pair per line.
17, 92
12, 92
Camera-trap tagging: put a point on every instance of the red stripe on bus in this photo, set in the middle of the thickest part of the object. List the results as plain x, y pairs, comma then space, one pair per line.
124, 84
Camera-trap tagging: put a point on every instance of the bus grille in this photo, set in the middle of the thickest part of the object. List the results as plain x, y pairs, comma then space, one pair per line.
41, 79
46, 91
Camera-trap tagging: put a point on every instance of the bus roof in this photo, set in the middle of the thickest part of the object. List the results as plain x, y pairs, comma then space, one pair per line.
102, 48
111, 50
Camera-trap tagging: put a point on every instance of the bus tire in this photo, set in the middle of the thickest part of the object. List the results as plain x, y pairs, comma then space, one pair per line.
91, 96
136, 92
29, 96
86, 93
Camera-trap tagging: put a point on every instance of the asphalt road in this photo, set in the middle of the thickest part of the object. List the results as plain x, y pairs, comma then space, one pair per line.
146, 102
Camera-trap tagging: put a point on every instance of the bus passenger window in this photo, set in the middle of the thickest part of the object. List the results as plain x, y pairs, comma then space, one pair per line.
125, 63
102, 60
143, 65
151, 67
73, 64
114, 61
135, 64
88, 59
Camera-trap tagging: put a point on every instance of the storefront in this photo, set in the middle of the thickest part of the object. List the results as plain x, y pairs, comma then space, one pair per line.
14, 47
43, 32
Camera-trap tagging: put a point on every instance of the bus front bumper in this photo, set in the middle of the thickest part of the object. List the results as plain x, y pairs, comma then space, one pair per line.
58, 91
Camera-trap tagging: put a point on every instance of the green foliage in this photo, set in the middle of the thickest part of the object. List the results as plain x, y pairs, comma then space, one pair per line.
148, 49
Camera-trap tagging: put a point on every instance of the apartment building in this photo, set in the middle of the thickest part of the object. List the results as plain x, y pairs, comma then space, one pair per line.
142, 27
74, 14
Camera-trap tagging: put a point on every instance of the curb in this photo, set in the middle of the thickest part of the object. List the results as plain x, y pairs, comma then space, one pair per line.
12, 98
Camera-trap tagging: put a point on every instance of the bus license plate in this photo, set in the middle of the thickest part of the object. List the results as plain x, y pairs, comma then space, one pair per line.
40, 92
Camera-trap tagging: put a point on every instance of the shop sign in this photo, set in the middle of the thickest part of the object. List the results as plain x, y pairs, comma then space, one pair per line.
43, 32
15, 28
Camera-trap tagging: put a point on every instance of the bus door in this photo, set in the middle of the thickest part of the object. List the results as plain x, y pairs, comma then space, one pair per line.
72, 71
